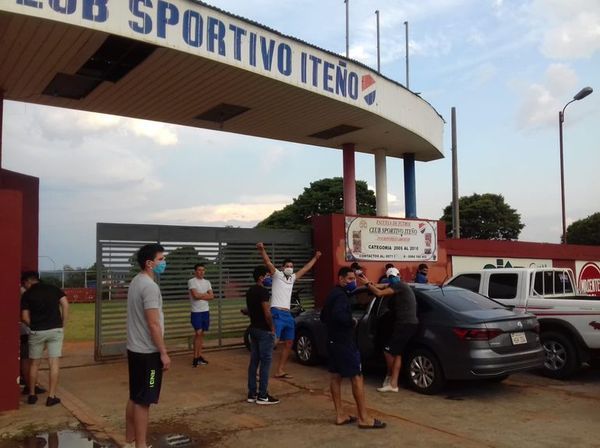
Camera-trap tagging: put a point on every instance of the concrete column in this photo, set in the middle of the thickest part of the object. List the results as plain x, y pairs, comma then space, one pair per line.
349, 180
410, 188
381, 191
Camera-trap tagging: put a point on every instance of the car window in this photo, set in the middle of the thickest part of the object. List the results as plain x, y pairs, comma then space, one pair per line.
503, 286
544, 283
562, 283
467, 281
462, 300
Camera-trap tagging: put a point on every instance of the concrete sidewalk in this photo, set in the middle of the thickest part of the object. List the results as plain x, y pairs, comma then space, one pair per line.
208, 404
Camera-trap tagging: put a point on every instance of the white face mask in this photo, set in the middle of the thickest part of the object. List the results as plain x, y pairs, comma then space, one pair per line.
288, 271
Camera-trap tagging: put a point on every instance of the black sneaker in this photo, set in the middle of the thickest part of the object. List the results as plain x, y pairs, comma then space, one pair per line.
267, 400
32, 399
195, 362
202, 361
51, 401
252, 398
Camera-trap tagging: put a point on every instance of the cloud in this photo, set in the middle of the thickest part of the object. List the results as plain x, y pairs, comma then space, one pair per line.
75, 151
249, 211
160, 133
541, 101
571, 28
72, 126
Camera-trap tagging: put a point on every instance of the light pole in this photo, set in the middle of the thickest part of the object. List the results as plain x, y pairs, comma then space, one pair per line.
561, 118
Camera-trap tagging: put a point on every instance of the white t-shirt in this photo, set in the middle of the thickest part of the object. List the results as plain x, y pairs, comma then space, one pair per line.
202, 287
281, 291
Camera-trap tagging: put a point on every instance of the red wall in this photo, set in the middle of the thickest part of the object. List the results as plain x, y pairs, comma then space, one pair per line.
19, 221
11, 234
329, 236
29, 186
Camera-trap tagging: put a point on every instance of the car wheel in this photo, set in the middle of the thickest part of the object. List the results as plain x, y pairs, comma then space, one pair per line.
247, 339
561, 359
424, 373
306, 348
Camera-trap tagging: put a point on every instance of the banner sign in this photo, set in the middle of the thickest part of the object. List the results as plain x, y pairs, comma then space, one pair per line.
388, 239
194, 28
588, 277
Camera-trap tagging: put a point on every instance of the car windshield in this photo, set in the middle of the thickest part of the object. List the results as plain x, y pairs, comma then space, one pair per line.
460, 299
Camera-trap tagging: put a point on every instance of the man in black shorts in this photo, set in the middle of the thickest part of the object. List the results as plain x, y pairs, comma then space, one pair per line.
146, 350
344, 357
402, 306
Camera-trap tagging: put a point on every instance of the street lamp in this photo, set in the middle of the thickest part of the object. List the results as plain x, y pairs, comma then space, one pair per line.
561, 118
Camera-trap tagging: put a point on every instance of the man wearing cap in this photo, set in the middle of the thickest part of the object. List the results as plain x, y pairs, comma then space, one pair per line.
403, 323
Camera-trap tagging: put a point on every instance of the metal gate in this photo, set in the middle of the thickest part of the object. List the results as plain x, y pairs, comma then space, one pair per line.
229, 255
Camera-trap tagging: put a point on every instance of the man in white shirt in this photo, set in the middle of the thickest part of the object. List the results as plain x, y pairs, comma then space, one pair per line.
281, 297
200, 291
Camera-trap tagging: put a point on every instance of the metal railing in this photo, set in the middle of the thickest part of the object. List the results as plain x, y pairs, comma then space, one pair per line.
229, 255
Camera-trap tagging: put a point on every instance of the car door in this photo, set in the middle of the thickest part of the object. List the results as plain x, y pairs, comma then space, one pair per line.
553, 296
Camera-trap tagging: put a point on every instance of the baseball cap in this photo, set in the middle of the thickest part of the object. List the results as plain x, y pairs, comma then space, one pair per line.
392, 271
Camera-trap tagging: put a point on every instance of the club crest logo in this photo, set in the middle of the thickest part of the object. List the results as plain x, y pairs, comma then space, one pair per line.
368, 89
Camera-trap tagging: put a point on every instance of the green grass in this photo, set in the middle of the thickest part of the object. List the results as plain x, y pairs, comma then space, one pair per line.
80, 326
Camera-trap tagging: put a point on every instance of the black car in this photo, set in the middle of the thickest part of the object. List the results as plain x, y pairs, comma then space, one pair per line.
462, 335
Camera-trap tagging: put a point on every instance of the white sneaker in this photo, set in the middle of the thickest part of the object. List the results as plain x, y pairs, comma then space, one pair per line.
386, 381
387, 388
129, 445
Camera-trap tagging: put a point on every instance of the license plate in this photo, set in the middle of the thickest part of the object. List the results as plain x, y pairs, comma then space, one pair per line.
518, 338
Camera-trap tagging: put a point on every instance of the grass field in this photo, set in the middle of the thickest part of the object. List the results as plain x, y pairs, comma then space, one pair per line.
80, 326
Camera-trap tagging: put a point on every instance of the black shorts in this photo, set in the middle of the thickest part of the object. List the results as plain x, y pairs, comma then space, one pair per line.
400, 338
145, 377
344, 359
24, 347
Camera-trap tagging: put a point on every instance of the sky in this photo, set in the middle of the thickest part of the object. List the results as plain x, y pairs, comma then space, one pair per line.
508, 66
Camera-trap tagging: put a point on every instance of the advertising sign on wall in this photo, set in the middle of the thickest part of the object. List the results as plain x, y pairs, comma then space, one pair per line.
463, 264
388, 239
588, 277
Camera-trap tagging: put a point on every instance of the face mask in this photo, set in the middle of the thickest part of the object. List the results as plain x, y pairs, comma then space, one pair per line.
350, 286
394, 280
160, 267
288, 271
267, 282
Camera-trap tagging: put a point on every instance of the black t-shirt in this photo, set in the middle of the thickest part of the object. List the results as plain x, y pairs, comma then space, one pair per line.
337, 317
255, 297
43, 302
403, 305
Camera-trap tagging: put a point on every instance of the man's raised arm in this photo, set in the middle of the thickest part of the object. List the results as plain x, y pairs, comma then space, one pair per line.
308, 266
270, 266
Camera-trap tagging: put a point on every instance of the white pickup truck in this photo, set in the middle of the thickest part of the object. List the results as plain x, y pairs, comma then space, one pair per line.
569, 321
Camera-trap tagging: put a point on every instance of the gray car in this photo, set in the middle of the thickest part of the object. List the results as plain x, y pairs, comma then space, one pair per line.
462, 335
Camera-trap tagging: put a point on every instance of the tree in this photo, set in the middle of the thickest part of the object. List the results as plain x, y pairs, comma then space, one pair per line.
485, 217
322, 197
585, 231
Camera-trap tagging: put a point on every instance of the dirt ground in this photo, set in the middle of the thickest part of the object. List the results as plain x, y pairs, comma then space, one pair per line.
208, 405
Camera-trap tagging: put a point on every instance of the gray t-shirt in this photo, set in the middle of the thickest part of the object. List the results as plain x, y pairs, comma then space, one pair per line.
143, 294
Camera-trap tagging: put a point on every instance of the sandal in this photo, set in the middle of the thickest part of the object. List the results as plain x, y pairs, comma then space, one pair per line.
377, 424
284, 376
351, 419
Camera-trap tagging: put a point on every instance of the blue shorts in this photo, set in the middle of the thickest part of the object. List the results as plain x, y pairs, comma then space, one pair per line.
284, 324
344, 359
201, 320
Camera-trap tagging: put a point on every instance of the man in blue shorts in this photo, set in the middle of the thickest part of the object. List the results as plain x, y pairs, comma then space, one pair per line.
343, 355
281, 297
201, 293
